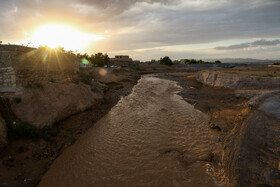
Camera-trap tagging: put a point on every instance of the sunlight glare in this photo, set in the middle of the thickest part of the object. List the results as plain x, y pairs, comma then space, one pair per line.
55, 35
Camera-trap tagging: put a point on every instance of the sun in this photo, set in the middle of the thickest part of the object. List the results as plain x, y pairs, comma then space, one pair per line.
57, 35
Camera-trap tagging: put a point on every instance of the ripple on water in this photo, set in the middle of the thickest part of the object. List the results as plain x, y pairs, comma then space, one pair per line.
150, 138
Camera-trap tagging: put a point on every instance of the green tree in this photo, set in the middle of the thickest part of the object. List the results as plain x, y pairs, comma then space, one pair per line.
176, 62
217, 62
200, 61
166, 61
192, 61
100, 59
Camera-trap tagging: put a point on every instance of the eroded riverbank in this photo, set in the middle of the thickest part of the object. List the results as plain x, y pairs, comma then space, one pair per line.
151, 137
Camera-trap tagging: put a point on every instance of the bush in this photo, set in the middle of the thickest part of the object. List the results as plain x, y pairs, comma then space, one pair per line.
22, 129
85, 78
17, 100
166, 61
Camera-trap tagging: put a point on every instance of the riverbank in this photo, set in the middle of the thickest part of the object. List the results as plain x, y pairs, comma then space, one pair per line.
25, 161
247, 124
237, 120
151, 137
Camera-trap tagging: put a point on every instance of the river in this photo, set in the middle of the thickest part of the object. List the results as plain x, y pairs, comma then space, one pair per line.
150, 138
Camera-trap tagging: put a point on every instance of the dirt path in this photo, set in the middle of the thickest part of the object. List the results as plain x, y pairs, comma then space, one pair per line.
150, 138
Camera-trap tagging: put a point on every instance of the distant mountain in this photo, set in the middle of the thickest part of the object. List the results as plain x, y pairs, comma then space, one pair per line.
243, 60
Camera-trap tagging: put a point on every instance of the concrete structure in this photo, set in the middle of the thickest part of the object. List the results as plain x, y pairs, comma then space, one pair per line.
121, 61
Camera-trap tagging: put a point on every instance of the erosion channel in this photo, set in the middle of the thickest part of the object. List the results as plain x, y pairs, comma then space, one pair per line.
150, 138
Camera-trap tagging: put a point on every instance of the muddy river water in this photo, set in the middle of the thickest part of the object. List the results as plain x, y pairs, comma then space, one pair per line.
150, 138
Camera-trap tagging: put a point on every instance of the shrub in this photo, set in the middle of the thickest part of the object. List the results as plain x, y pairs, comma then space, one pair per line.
22, 129
17, 99
85, 78
166, 61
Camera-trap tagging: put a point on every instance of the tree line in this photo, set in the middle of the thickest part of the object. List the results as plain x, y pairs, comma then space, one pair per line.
167, 61
98, 59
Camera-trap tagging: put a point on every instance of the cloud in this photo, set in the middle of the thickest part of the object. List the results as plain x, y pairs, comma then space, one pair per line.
138, 24
258, 43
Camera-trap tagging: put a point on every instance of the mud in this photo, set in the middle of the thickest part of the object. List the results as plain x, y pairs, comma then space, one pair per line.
151, 137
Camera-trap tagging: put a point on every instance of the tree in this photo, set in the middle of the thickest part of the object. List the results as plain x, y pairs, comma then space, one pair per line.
192, 61
166, 61
99, 59
217, 62
176, 62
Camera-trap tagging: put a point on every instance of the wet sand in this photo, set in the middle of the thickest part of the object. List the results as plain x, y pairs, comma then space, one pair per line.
150, 138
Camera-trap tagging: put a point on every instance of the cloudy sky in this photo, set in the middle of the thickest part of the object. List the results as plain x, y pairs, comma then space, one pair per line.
150, 29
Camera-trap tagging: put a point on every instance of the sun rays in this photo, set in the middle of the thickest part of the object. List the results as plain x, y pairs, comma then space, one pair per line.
58, 35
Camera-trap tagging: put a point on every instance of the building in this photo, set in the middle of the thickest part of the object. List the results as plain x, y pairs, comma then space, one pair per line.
121, 61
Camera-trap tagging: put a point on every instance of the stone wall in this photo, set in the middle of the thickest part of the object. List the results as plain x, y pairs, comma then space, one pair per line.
20, 57
7, 78
20, 65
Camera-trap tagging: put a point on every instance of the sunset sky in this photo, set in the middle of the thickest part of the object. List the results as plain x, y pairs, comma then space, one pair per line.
147, 29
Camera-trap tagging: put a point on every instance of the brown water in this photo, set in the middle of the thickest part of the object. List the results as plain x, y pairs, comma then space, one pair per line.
150, 138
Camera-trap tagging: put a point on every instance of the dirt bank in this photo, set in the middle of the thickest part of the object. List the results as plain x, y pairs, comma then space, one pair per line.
236, 81
53, 102
249, 135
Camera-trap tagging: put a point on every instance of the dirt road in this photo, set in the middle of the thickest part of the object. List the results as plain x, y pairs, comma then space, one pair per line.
150, 138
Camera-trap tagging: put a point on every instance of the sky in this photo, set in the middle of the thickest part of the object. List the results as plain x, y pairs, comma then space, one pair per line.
148, 29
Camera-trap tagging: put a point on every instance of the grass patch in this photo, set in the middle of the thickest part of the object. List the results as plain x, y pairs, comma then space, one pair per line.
262, 75
17, 100
85, 78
